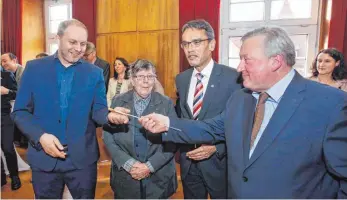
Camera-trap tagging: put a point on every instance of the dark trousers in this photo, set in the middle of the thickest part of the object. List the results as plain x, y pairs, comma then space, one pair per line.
20, 137
50, 185
196, 187
8, 147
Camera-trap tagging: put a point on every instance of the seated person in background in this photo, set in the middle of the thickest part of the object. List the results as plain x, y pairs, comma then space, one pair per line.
120, 82
90, 56
41, 55
142, 167
329, 68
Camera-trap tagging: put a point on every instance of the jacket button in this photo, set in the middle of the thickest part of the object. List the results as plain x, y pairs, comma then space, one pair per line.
59, 121
245, 179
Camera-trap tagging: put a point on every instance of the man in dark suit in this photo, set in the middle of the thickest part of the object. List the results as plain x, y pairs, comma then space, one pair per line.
8, 93
286, 135
218, 82
10, 63
90, 56
60, 102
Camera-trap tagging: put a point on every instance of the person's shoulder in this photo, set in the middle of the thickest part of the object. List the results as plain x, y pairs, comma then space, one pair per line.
343, 81
89, 66
102, 61
185, 73
226, 70
343, 84
126, 96
321, 91
164, 97
39, 64
158, 96
112, 81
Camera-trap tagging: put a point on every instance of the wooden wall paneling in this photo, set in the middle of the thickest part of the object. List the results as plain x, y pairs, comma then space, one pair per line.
162, 48
33, 36
157, 14
324, 24
115, 45
155, 23
116, 16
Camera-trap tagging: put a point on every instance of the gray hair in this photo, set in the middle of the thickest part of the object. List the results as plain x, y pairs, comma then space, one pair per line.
277, 42
65, 24
141, 64
200, 24
90, 47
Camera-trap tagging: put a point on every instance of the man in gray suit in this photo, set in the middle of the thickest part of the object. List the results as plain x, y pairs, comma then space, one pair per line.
203, 91
10, 63
90, 56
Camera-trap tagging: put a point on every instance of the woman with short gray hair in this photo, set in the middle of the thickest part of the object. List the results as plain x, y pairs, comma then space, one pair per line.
142, 166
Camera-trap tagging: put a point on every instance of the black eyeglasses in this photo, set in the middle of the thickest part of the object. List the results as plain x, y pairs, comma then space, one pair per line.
194, 43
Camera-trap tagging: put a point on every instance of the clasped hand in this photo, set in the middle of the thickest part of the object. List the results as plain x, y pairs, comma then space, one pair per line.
139, 171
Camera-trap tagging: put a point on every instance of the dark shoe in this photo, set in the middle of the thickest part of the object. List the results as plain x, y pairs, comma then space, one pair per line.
15, 183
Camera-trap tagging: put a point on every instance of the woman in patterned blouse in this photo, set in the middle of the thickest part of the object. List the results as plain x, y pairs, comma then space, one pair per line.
329, 68
120, 83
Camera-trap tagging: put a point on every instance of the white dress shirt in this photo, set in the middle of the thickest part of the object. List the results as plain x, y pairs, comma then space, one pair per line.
206, 72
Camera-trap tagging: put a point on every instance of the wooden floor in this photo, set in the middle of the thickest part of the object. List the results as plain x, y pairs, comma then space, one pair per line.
103, 189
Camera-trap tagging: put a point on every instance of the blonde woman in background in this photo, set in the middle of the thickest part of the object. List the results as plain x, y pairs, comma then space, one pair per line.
120, 83
329, 68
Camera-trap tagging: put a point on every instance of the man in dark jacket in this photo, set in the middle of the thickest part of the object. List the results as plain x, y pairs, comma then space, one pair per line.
8, 93
90, 56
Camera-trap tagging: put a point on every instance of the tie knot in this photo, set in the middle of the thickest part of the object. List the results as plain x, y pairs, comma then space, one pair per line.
199, 76
263, 97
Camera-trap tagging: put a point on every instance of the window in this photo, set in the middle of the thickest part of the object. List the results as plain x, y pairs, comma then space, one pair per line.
56, 11
298, 17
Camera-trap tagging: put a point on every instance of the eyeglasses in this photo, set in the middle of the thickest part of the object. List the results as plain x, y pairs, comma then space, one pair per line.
194, 43
142, 77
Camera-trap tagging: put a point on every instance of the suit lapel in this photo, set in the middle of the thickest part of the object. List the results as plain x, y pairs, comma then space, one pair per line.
290, 101
52, 77
185, 90
248, 118
211, 90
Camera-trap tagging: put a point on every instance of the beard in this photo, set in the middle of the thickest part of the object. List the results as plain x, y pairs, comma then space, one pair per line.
71, 57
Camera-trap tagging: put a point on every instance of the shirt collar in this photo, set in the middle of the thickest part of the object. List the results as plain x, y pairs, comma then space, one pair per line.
138, 98
206, 72
276, 91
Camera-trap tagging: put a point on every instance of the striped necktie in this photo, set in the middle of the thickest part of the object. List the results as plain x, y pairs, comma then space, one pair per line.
198, 95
